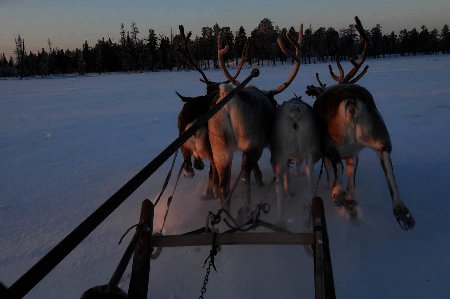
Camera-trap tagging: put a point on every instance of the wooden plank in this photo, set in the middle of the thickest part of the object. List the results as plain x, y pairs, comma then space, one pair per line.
234, 239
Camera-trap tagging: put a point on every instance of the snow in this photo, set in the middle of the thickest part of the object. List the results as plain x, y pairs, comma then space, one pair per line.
67, 144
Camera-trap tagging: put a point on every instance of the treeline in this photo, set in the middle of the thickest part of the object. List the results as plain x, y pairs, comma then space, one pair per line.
156, 52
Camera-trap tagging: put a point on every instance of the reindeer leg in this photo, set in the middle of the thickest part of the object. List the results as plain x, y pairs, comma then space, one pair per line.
188, 171
224, 173
330, 171
222, 164
211, 183
215, 187
309, 166
286, 179
249, 159
337, 193
258, 175
279, 170
198, 163
352, 165
401, 212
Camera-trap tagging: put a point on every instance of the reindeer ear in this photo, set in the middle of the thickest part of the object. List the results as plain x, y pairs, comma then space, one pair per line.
183, 98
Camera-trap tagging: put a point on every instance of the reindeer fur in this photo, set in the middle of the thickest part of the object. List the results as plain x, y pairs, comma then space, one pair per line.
349, 122
296, 137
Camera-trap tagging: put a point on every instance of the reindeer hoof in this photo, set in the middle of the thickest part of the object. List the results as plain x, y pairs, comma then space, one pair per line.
188, 173
404, 218
339, 198
350, 206
198, 164
208, 196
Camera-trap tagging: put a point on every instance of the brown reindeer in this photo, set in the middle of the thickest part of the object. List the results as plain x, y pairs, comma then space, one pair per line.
244, 124
350, 121
198, 145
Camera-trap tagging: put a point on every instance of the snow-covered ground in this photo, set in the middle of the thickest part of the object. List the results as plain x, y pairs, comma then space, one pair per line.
67, 144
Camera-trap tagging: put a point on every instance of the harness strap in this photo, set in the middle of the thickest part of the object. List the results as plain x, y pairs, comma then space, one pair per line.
318, 179
169, 200
166, 182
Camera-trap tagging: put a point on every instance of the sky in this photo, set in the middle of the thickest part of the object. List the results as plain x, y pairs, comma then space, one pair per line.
68, 23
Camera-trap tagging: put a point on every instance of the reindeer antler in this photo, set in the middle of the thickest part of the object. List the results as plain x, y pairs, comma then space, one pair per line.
243, 58
356, 64
221, 52
187, 54
296, 57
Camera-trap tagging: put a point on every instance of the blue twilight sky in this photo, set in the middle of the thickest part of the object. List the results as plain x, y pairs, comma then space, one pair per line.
68, 23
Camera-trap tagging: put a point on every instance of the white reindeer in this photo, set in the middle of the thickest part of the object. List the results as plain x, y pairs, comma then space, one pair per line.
295, 137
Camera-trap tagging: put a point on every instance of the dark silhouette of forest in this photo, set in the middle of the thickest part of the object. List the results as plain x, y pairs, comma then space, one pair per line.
156, 52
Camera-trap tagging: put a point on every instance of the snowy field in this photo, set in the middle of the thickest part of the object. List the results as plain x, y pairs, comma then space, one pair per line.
67, 144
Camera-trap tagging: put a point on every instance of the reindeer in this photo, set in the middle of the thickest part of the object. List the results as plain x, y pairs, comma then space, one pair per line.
244, 124
295, 137
349, 122
198, 145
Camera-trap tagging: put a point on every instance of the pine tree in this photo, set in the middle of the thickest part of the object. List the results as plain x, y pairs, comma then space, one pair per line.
307, 45
376, 40
348, 42
164, 47
239, 43
319, 43
445, 39
152, 45
332, 42
20, 55
264, 37
81, 64
207, 44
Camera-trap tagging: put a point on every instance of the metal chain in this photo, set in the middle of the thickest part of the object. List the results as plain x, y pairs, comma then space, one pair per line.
210, 258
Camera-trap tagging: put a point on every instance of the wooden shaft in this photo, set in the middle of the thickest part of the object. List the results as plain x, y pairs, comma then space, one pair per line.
319, 279
141, 260
323, 271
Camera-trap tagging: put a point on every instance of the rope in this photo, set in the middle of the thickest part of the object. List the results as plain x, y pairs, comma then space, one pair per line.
233, 188
166, 182
128, 230
309, 219
253, 221
156, 252
213, 219
169, 200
